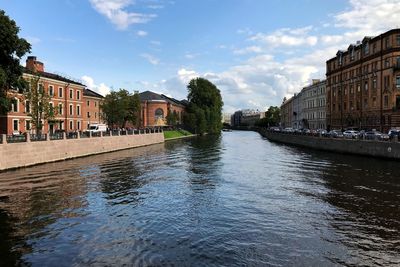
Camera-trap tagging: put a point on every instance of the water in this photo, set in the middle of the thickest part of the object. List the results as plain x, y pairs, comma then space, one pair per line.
233, 200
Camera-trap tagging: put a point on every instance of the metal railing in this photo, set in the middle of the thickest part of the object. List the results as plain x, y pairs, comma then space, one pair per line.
38, 137
19, 138
57, 136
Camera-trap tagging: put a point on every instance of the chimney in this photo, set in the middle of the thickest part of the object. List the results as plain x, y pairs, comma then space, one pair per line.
315, 81
33, 65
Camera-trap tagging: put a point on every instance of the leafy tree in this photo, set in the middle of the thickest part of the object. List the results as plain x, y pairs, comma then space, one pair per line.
121, 107
272, 117
12, 48
205, 107
172, 118
38, 99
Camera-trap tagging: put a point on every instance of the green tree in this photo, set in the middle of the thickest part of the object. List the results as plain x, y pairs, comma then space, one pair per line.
12, 48
205, 107
172, 118
272, 117
38, 103
120, 107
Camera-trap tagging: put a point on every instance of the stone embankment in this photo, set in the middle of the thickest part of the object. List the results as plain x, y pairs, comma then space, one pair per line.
30, 152
382, 149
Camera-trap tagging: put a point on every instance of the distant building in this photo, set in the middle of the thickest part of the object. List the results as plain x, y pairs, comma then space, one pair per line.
314, 105
363, 84
287, 112
246, 117
155, 108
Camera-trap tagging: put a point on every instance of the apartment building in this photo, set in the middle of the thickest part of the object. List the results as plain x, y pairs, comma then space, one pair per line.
313, 112
363, 84
66, 98
92, 109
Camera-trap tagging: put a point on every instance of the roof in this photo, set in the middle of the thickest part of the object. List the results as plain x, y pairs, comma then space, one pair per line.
51, 76
88, 92
148, 96
151, 96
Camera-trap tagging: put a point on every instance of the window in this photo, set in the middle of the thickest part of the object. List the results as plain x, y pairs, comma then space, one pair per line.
78, 110
79, 125
88, 103
27, 125
71, 93
14, 105
41, 88
60, 125
95, 104
366, 86
351, 89
71, 125
373, 48
51, 108
60, 92
51, 90
358, 87
387, 63
374, 102
365, 103
16, 125
351, 105
27, 106
397, 81
78, 94
71, 108
385, 101
60, 109
386, 42
374, 84
366, 49
398, 39
88, 114
159, 114
95, 115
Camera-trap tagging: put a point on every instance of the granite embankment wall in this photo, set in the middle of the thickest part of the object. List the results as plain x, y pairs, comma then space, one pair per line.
382, 149
15, 155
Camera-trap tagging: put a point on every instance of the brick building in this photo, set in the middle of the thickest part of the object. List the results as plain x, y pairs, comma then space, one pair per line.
92, 112
287, 112
156, 107
66, 97
363, 84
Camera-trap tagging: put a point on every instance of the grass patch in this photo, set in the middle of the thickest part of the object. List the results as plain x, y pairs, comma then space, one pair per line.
176, 133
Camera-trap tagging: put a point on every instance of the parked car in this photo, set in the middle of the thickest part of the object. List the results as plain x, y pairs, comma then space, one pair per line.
361, 134
375, 135
336, 134
288, 130
96, 128
351, 134
393, 132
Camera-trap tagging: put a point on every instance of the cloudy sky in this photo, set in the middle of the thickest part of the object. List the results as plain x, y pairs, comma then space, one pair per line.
255, 51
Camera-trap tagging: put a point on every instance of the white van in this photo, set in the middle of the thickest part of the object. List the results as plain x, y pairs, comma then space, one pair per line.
96, 128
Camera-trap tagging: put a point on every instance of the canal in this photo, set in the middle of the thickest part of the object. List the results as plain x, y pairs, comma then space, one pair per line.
233, 200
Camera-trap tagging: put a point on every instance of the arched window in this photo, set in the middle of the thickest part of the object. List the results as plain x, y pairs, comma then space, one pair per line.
159, 114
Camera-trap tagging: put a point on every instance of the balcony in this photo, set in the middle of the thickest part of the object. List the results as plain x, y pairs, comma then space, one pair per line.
396, 66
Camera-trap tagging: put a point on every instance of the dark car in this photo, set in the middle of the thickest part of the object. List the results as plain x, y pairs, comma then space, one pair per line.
336, 134
393, 132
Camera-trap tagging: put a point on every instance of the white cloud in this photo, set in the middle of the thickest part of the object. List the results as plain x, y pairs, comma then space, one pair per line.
157, 43
247, 50
280, 63
115, 11
141, 33
150, 58
99, 88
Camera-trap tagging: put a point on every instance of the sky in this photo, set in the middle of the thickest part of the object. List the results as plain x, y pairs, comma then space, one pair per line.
255, 51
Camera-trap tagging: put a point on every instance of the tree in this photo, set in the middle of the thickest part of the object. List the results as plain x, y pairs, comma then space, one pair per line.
38, 103
205, 107
12, 48
172, 118
272, 117
121, 107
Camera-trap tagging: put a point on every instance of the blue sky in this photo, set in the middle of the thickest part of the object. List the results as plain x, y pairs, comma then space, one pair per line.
255, 51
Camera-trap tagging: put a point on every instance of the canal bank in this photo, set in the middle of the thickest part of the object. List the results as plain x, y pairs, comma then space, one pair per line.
368, 148
17, 155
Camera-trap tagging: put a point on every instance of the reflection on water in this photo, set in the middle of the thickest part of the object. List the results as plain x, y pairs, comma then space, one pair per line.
236, 199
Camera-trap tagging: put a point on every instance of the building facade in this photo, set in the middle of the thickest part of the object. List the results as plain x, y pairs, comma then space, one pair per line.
363, 84
92, 112
287, 112
66, 98
156, 107
314, 105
